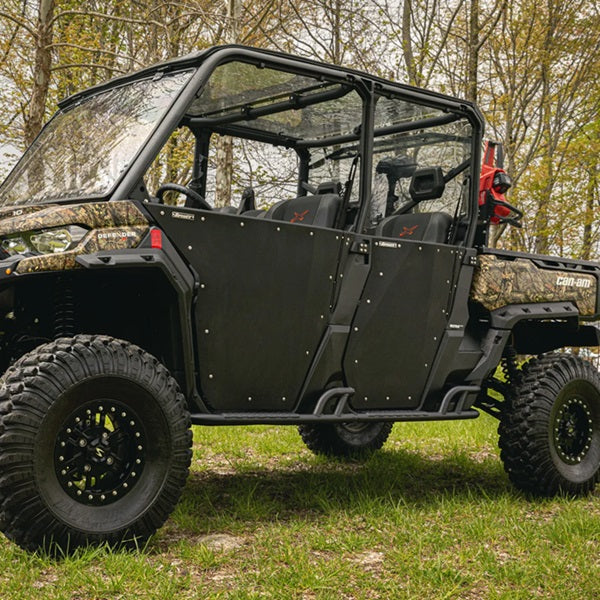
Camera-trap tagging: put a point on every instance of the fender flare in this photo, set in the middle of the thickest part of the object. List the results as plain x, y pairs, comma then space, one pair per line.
183, 281
554, 325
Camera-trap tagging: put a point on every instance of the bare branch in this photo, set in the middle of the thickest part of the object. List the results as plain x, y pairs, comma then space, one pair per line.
20, 22
88, 66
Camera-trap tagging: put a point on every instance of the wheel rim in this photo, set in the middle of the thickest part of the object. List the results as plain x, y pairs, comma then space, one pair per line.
99, 452
573, 430
354, 427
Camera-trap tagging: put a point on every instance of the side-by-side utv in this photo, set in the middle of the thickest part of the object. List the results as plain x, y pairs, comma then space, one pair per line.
346, 287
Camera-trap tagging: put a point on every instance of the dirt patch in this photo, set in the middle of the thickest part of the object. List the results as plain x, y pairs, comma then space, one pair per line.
221, 542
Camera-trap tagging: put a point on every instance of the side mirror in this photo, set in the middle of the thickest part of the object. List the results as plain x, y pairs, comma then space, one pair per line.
427, 184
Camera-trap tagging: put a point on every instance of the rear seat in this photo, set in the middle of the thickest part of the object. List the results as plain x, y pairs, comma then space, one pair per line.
319, 210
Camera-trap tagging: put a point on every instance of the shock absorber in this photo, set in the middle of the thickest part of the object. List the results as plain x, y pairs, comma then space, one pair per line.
509, 366
64, 309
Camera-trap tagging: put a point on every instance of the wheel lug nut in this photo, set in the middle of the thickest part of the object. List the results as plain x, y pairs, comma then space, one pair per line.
87, 468
114, 492
110, 460
82, 443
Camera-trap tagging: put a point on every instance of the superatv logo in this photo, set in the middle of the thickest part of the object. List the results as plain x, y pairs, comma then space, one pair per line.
184, 216
578, 282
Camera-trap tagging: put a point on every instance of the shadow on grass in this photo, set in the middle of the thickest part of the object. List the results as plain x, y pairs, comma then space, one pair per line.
310, 489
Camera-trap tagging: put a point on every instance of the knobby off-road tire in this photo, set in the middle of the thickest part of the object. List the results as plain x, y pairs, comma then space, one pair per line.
345, 439
550, 428
94, 445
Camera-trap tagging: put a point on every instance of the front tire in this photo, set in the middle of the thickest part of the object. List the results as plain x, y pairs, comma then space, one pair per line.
94, 445
550, 428
347, 440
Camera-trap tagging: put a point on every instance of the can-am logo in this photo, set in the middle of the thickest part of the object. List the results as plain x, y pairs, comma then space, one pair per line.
573, 282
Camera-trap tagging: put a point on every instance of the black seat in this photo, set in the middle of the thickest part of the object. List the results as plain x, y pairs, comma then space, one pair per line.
248, 201
228, 210
259, 213
319, 210
426, 227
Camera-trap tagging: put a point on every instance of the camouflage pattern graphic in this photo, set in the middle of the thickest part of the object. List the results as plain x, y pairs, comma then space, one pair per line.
98, 240
94, 215
19, 211
498, 283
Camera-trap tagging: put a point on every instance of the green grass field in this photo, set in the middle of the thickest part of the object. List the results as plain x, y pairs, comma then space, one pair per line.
432, 515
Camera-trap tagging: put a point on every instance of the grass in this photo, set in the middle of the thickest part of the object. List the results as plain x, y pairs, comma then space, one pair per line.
432, 515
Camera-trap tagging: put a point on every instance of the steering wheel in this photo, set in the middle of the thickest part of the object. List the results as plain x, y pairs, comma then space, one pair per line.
197, 201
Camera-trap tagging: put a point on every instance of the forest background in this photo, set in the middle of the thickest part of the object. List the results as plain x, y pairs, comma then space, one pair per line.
531, 65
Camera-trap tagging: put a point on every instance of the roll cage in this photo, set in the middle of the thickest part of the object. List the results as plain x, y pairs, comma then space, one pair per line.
328, 84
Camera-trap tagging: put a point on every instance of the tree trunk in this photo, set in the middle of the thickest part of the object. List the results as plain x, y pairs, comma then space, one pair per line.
588, 240
473, 52
224, 144
42, 64
407, 49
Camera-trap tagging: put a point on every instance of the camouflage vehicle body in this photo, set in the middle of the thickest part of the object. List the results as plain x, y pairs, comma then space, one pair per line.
346, 308
501, 282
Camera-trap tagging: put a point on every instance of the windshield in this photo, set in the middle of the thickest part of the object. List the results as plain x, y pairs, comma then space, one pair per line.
84, 150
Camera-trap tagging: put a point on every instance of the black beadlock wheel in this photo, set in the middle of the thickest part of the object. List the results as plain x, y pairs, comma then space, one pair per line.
95, 445
352, 439
550, 428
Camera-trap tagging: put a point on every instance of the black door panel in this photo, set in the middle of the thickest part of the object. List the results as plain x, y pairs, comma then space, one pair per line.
399, 323
262, 305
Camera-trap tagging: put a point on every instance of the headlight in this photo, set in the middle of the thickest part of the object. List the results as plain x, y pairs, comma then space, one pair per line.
46, 241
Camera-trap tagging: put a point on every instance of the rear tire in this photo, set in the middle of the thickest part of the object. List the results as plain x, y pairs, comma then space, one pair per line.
550, 428
345, 439
94, 445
